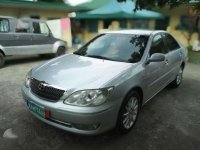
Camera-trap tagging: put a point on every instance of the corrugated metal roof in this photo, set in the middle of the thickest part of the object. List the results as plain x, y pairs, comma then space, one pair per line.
39, 5
115, 9
93, 4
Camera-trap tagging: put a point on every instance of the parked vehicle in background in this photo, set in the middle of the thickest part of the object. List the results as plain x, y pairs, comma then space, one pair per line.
27, 37
105, 83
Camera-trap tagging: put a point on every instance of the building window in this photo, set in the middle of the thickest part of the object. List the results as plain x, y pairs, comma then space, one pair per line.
162, 24
188, 23
93, 25
123, 24
107, 24
139, 24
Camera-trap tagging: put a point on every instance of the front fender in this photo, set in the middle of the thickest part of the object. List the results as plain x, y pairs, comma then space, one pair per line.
58, 44
2, 49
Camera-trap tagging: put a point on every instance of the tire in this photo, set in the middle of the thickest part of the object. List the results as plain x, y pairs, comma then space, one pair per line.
60, 51
2, 60
178, 80
128, 113
44, 55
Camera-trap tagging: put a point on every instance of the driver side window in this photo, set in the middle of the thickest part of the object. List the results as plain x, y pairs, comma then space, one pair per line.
157, 45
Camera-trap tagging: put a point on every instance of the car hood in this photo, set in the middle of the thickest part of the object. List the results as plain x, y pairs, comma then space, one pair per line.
78, 72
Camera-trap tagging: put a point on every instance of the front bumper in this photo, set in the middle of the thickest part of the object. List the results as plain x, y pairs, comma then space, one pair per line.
81, 120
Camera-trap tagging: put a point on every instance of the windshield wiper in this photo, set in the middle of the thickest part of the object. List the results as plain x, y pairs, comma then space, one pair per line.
99, 57
77, 53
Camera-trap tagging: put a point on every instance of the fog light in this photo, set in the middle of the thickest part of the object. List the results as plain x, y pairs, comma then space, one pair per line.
87, 126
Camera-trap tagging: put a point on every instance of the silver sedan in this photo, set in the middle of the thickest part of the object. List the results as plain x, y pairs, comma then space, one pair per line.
104, 84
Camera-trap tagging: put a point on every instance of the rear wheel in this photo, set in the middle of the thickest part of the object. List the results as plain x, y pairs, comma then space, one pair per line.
60, 51
44, 55
177, 81
2, 60
129, 112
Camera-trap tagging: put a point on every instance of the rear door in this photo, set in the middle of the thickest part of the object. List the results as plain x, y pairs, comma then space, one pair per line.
155, 72
174, 55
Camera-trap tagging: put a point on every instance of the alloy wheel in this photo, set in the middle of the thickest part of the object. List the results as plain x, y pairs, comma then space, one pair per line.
179, 76
130, 115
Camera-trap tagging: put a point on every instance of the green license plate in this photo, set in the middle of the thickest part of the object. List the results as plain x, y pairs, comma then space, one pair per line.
36, 108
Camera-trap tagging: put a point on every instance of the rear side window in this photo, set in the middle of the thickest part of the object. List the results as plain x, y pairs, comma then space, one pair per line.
22, 26
170, 42
4, 25
157, 45
40, 28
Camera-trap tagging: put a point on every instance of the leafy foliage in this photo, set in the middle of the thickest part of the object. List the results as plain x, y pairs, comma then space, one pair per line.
195, 4
141, 4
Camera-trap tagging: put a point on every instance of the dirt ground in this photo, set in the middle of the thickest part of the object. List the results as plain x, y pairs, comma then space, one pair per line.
169, 121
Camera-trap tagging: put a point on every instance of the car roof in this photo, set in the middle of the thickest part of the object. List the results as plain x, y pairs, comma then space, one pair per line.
31, 19
24, 18
6, 17
137, 32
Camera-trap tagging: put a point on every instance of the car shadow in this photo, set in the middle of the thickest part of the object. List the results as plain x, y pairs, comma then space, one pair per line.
13, 60
156, 124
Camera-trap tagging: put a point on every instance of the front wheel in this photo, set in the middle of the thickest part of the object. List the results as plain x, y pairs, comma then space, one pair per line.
2, 60
177, 81
129, 112
60, 51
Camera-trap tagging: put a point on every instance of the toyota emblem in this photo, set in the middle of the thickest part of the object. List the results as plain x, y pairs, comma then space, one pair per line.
41, 86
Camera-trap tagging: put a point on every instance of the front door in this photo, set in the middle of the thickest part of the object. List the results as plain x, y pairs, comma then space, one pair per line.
155, 72
174, 55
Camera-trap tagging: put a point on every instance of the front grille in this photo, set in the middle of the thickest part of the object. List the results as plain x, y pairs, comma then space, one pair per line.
47, 91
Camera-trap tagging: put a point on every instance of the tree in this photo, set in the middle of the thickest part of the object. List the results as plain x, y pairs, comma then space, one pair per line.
148, 4
141, 4
194, 5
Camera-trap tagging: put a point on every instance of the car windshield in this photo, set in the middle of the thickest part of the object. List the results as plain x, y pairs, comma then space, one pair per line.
115, 47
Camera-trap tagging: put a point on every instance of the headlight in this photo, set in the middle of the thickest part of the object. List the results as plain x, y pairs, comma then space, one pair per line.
89, 97
28, 79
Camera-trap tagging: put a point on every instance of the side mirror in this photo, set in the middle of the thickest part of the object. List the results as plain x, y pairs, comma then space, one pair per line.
157, 57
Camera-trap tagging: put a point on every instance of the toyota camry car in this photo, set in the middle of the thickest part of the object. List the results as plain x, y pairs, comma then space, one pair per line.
104, 84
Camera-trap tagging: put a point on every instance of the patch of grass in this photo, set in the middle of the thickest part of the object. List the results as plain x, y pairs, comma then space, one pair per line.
194, 57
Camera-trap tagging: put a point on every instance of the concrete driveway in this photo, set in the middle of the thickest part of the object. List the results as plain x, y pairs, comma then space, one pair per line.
170, 121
